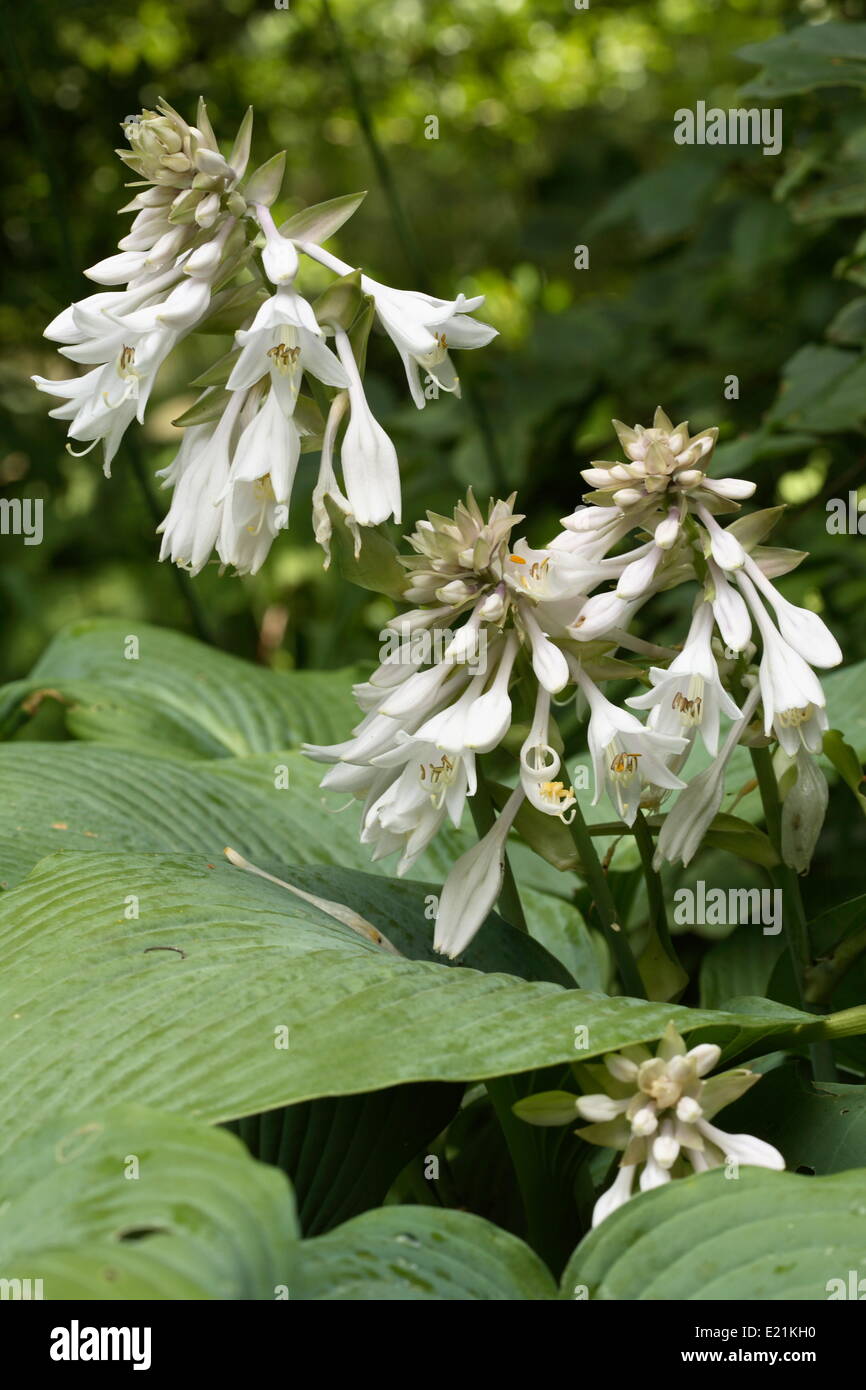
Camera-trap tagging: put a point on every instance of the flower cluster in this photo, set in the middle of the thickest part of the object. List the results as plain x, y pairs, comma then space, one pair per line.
548, 619
658, 1110
191, 256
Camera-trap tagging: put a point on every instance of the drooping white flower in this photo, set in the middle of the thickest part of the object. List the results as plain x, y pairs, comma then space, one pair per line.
802, 629
258, 489
371, 473
729, 609
198, 475
473, 885
540, 765
283, 341
699, 803
422, 328
726, 549
625, 754
794, 702
689, 694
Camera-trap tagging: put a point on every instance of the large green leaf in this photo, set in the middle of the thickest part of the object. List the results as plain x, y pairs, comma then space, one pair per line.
180, 696
762, 1236
131, 1203
819, 1126
342, 1153
411, 1253
102, 799
186, 1005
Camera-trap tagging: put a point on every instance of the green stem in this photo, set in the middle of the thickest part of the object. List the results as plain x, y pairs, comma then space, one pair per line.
796, 926
655, 892
823, 977
546, 1230
484, 817
596, 880
405, 235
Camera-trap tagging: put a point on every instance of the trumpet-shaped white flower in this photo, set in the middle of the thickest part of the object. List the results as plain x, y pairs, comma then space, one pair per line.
689, 694
540, 765
258, 489
421, 327
473, 885
802, 629
370, 470
283, 341
794, 702
198, 474
730, 611
699, 803
625, 754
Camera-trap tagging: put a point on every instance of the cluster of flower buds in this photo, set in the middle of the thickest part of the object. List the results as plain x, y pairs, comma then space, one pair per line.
512, 622
658, 1110
204, 250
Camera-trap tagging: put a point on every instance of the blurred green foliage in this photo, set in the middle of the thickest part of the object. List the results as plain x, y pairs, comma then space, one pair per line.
555, 130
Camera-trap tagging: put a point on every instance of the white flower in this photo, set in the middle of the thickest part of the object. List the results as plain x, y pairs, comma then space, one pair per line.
284, 341
730, 611
791, 692
726, 549
371, 473
603, 614
698, 804
473, 885
802, 629
638, 574
424, 786
548, 662
540, 765
658, 1109
259, 487
421, 327
624, 753
689, 694
279, 257
198, 474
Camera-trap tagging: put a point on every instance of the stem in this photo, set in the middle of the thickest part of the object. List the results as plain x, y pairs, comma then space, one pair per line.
823, 977
655, 893
405, 236
542, 1196
605, 906
484, 817
796, 926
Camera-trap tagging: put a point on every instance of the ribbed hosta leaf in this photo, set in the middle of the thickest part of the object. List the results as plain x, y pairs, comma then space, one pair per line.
131, 1203
179, 696
412, 1253
760, 1236
225, 996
